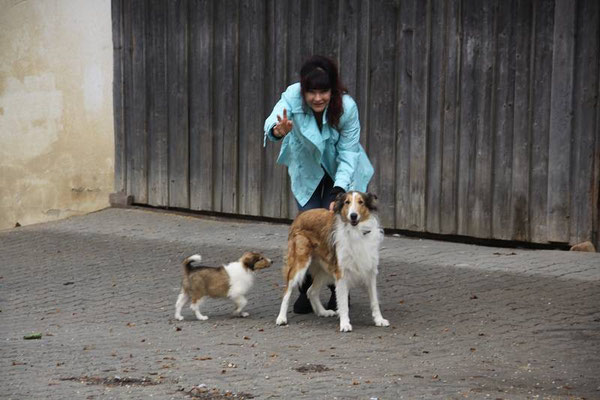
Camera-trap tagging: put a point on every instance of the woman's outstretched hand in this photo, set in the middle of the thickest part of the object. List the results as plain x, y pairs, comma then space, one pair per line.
284, 125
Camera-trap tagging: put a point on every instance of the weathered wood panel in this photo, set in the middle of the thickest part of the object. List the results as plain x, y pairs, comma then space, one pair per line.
518, 218
137, 133
120, 39
158, 117
201, 87
404, 81
561, 123
585, 92
177, 78
481, 117
275, 199
251, 118
226, 111
450, 122
543, 28
435, 120
503, 119
382, 137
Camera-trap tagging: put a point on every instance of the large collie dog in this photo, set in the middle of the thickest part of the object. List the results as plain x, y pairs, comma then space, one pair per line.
340, 247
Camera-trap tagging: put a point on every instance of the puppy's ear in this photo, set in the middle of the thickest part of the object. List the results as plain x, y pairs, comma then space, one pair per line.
339, 202
371, 201
249, 259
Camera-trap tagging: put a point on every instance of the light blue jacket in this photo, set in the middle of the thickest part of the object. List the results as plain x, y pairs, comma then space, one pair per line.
305, 149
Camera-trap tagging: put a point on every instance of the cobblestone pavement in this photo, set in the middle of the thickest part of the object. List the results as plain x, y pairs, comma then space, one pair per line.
466, 321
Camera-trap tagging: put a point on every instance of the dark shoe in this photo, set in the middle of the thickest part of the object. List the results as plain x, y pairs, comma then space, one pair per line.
302, 305
332, 303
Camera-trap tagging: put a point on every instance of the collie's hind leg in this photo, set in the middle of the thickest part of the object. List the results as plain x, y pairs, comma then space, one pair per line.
313, 295
298, 261
282, 317
181, 300
296, 280
375, 311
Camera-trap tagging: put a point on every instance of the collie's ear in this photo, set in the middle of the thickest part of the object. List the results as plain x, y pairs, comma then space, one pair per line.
371, 201
339, 202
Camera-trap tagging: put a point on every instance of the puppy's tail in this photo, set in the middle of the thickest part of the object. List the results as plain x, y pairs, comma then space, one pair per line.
187, 263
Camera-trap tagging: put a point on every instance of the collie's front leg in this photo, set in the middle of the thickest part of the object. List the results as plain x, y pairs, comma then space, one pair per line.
341, 293
375, 311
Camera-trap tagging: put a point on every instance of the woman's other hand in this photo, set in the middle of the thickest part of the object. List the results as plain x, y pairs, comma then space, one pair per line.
284, 125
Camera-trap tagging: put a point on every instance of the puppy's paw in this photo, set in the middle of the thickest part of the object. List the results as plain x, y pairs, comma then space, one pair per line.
244, 314
382, 322
179, 317
281, 320
328, 313
202, 317
345, 327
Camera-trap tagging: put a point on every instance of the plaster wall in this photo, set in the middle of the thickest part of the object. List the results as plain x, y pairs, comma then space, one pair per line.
56, 115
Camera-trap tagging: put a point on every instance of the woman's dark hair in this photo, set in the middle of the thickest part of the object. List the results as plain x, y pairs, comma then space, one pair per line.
321, 73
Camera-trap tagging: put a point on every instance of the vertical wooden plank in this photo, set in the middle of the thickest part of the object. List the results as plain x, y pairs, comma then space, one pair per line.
362, 69
504, 120
381, 143
300, 40
475, 167
349, 16
481, 221
251, 84
287, 206
326, 37
137, 150
201, 105
177, 53
584, 121
561, 124
596, 175
419, 131
225, 98
542, 43
305, 30
450, 142
230, 107
274, 203
297, 37
120, 49
436, 95
218, 122
470, 110
523, 103
156, 65
404, 111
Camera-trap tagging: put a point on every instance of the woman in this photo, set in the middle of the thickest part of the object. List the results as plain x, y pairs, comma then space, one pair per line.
318, 123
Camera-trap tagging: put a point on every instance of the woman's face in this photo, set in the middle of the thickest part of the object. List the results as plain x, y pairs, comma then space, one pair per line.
317, 99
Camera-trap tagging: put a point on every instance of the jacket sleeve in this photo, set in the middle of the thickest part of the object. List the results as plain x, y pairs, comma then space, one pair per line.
348, 147
271, 120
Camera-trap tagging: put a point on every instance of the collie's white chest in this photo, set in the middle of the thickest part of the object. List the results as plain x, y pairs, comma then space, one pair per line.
357, 249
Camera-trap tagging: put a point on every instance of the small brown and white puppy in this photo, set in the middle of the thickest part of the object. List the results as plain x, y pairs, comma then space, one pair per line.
340, 247
232, 280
